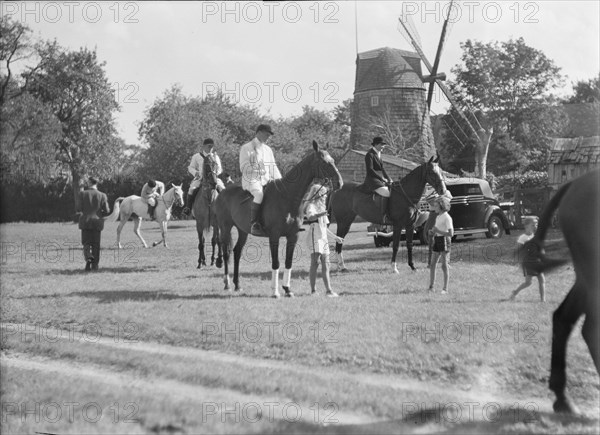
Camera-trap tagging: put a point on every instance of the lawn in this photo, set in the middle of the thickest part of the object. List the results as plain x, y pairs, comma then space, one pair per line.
150, 329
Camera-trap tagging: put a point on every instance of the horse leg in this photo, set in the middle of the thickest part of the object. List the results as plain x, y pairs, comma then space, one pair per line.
237, 254
395, 244
225, 244
409, 245
164, 232
122, 223
216, 237
342, 230
201, 259
289, 258
563, 320
590, 332
274, 246
136, 229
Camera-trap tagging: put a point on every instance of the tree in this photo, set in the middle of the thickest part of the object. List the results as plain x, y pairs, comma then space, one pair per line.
586, 91
75, 86
28, 128
509, 84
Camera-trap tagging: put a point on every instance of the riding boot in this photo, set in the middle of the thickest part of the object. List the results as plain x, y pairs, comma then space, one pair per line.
191, 197
256, 228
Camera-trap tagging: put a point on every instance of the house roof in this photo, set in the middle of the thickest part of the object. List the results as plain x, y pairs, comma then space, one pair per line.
584, 119
385, 68
399, 161
575, 150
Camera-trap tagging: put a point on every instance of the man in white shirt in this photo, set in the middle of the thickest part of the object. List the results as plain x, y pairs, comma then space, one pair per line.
258, 167
196, 169
151, 191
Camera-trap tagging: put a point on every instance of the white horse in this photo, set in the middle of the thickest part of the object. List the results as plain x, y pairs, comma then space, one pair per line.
133, 204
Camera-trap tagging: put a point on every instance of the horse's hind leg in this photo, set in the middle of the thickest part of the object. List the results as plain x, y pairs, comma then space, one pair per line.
342, 230
122, 223
201, 258
215, 240
237, 254
225, 244
136, 229
563, 320
591, 335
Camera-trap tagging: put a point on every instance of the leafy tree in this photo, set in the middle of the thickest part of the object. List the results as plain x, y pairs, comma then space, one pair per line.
586, 91
509, 84
74, 85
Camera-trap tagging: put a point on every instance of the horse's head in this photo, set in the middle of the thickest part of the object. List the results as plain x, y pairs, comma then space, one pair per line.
433, 175
178, 192
324, 167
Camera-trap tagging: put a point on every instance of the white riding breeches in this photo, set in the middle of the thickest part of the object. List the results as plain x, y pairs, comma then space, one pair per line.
383, 191
256, 190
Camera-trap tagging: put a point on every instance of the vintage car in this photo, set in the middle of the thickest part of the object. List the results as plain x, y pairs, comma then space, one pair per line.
474, 210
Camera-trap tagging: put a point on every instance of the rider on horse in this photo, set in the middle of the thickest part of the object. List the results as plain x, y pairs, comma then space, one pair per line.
377, 180
258, 167
197, 169
151, 191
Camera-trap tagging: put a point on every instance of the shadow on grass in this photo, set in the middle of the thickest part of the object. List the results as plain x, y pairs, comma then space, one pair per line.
110, 296
446, 418
104, 270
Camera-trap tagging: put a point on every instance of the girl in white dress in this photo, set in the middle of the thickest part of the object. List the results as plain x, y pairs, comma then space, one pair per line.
315, 211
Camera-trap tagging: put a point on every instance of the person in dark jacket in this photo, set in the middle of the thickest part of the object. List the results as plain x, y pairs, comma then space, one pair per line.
92, 203
377, 180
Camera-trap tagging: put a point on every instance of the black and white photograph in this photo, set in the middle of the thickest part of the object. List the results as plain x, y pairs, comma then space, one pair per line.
300, 217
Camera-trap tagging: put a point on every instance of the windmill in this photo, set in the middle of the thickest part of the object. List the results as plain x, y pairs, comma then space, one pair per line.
482, 135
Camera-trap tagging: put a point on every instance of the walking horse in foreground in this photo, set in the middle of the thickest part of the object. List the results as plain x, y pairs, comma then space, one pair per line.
203, 211
578, 216
350, 201
133, 205
280, 214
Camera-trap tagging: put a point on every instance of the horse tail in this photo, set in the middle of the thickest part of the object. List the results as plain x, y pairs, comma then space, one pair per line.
535, 247
116, 210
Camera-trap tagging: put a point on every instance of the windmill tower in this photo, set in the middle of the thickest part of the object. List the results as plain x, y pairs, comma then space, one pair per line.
389, 101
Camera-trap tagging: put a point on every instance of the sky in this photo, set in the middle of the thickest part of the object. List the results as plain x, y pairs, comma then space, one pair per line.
280, 56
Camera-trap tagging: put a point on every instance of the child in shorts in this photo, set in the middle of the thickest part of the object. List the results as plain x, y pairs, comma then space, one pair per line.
530, 224
315, 211
442, 233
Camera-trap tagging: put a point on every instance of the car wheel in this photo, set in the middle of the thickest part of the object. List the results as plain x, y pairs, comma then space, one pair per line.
494, 227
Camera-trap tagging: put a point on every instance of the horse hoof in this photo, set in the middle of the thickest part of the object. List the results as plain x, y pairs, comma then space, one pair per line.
276, 296
565, 406
239, 289
219, 263
396, 271
199, 266
288, 292
344, 270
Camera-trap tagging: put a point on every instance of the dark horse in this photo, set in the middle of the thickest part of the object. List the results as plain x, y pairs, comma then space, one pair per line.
349, 202
578, 216
204, 212
280, 214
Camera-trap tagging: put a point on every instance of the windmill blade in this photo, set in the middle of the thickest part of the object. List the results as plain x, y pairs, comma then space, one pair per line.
438, 54
410, 37
454, 103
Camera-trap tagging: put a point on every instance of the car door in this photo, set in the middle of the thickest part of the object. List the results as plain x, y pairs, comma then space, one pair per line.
458, 206
475, 206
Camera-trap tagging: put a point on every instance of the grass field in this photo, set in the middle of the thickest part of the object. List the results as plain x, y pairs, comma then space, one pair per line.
150, 344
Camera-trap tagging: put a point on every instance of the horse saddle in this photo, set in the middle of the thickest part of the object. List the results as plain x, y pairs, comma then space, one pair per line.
369, 200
